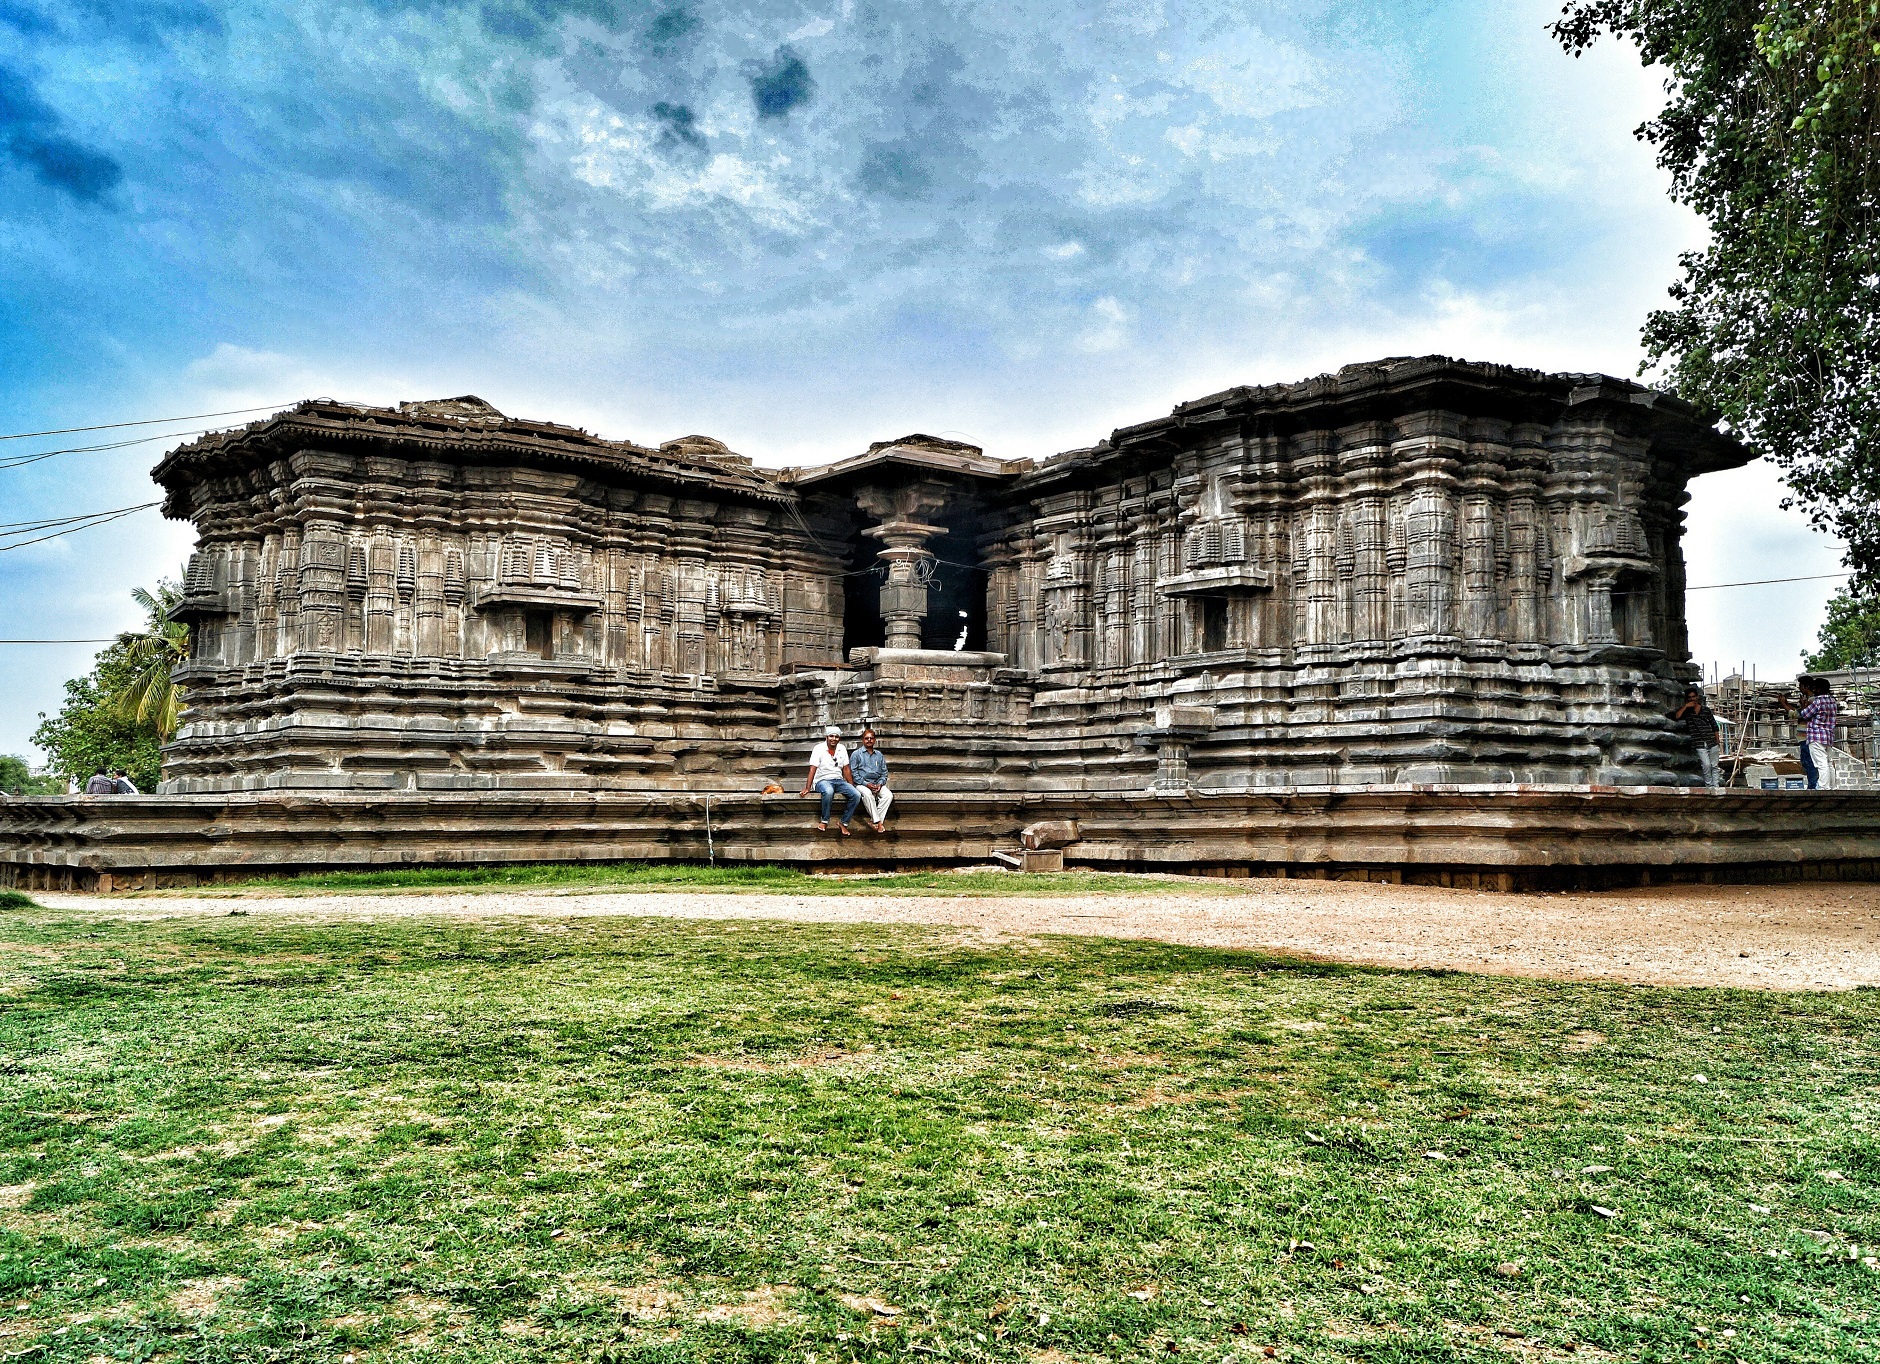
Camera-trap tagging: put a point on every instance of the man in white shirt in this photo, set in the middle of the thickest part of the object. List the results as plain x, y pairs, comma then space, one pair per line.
829, 775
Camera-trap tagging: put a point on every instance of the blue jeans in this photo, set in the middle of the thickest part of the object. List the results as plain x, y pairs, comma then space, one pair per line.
1808, 766
828, 788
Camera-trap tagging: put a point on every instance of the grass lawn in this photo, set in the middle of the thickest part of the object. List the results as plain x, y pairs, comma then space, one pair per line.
748, 877
614, 1139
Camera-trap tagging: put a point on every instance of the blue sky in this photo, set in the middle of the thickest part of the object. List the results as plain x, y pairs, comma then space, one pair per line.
800, 227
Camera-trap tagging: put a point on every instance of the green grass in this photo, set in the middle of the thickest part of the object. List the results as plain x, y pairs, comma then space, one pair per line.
757, 876
611, 1139
17, 899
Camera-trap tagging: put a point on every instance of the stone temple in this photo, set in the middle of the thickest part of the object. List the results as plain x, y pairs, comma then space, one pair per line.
1417, 571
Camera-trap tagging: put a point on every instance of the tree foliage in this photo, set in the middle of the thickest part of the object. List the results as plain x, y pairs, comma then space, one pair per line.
151, 697
119, 714
1771, 131
17, 779
1851, 636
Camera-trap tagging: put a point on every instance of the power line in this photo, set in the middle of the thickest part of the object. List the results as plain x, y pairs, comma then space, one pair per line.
111, 640
149, 421
1764, 582
87, 522
17, 461
8, 528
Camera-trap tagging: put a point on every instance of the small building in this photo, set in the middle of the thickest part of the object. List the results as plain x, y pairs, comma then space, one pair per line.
1413, 571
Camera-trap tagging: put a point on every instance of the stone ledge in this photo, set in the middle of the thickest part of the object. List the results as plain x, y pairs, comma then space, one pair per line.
1537, 836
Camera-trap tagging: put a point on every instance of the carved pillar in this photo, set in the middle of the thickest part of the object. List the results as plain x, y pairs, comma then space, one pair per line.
406, 585
1370, 579
904, 536
287, 594
1481, 555
1319, 542
355, 596
246, 565
428, 600
267, 597
1142, 547
322, 589
381, 563
1430, 538
904, 592
453, 594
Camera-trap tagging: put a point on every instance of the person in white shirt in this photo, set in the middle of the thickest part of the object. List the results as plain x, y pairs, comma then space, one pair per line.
829, 775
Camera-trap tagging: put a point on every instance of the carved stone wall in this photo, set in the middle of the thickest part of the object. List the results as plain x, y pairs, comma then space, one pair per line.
1415, 571
437, 600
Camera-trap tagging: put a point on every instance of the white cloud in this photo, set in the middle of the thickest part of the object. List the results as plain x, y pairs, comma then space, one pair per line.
815, 28
1108, 329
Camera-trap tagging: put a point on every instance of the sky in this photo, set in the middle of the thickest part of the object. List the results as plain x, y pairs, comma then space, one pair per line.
800, 226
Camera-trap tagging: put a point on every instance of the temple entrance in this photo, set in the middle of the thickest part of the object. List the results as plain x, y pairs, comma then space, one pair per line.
861, 598
956, 608
956, 602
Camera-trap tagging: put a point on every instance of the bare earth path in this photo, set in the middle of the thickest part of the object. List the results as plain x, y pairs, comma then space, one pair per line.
1816, 936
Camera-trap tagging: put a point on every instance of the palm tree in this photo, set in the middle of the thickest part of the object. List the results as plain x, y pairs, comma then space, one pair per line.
148, 696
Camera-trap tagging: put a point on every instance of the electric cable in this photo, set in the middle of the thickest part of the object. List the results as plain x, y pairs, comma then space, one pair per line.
1764, 582
17, 461
86, 523
148, 421
27, 527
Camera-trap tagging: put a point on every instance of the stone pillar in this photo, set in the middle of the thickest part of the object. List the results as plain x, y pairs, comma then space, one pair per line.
904, 594
1176, 729
904, 535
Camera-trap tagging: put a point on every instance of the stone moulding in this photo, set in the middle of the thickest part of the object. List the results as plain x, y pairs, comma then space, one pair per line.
1497, 838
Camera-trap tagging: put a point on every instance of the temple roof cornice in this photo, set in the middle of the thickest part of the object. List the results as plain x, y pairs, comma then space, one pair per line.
1381, 391
453, 432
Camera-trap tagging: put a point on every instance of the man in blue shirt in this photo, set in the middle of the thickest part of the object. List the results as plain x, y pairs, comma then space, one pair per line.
869, 770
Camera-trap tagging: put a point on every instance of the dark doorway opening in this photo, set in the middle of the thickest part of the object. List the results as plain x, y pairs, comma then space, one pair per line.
1213, 624
956, 608
538, 633
861, 599
956, 604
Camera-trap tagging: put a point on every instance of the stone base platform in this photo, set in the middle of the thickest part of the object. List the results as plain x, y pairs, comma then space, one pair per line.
1503, 838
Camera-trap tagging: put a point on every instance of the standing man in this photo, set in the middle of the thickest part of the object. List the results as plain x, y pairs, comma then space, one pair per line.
870, 774
829, 774
1818, 714
1701, 725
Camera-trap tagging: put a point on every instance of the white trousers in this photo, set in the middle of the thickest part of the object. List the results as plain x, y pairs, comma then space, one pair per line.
875, 806
1707, 759
1824, 769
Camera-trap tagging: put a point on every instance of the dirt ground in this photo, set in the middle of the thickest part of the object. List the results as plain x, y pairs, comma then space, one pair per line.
1792, 937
